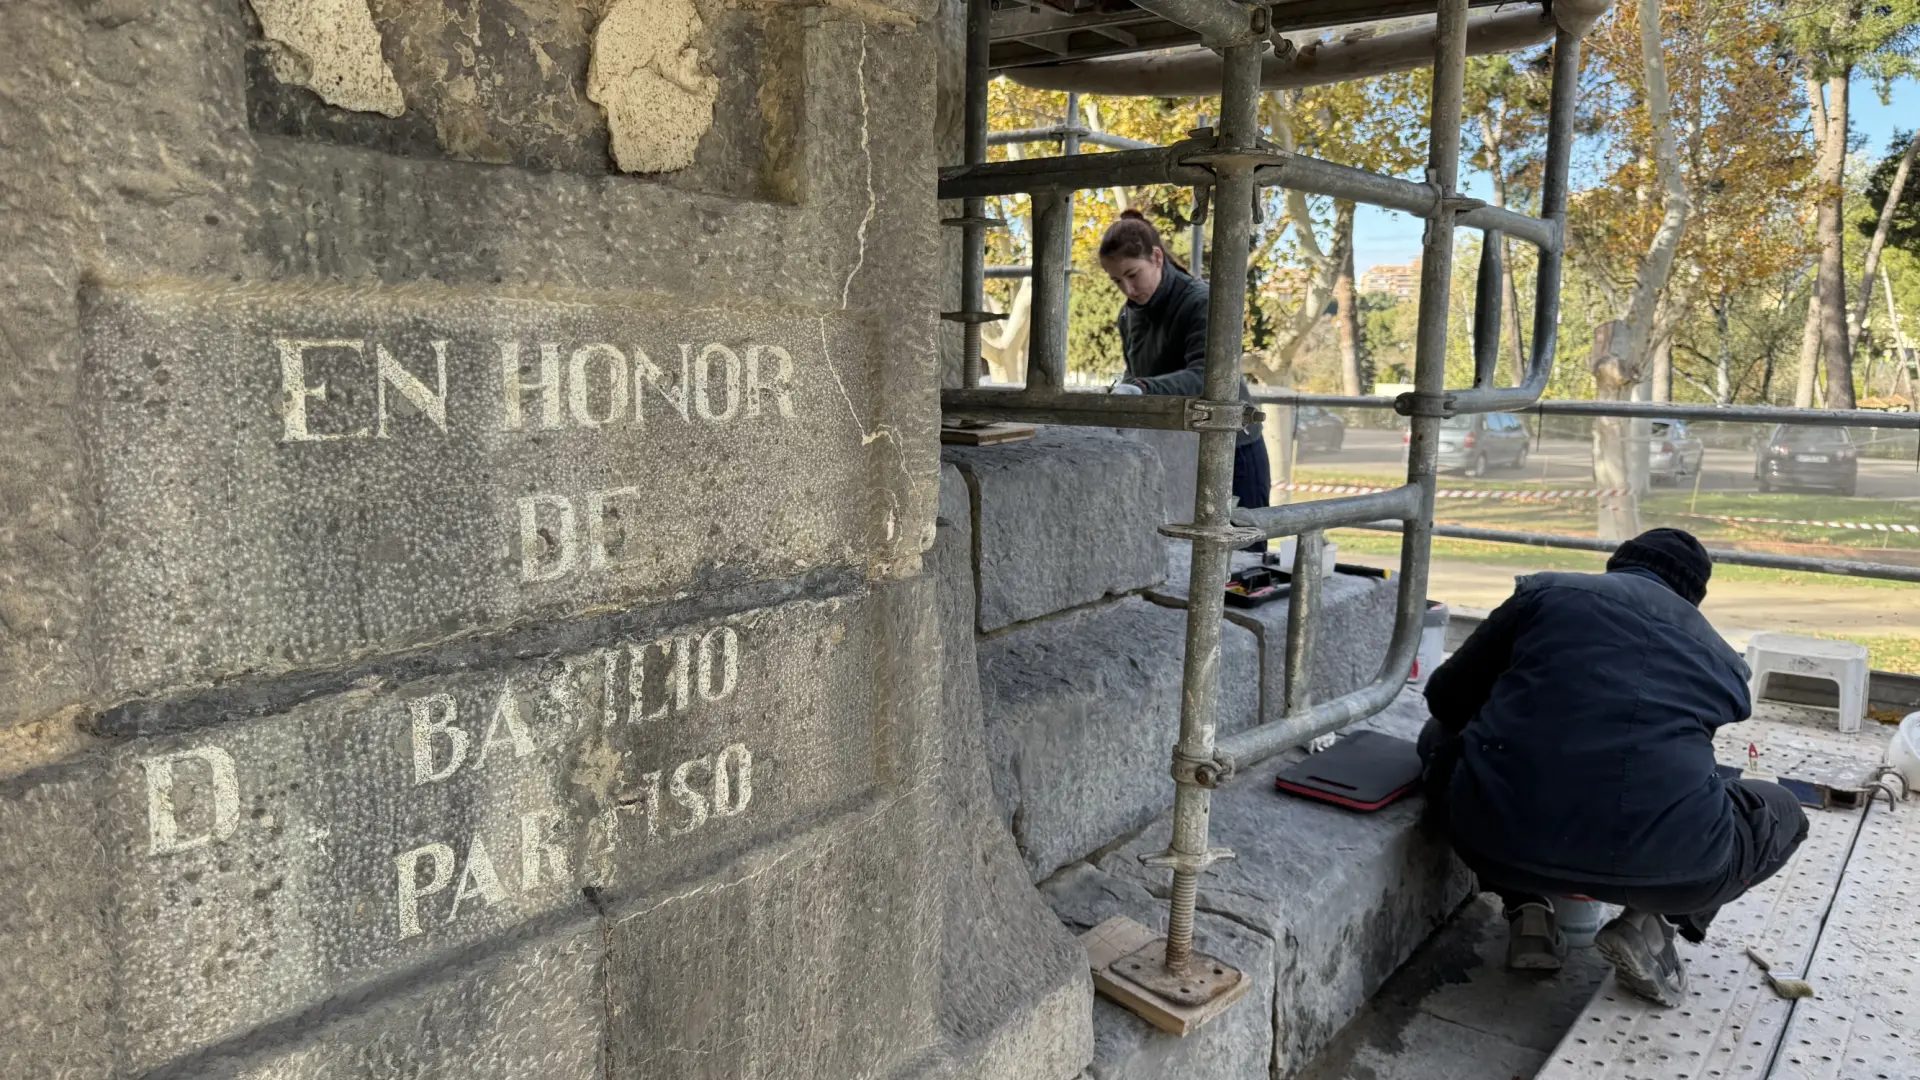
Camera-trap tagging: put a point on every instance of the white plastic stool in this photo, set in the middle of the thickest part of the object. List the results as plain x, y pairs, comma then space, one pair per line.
1844, 663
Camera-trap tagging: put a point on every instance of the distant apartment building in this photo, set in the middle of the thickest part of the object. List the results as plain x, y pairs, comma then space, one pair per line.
1399, 282
1286, 284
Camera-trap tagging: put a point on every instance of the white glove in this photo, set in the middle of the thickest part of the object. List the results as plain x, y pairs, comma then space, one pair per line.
1127, 388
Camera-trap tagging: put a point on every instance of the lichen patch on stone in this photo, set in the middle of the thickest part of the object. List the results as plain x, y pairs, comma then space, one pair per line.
332, 48
648, 75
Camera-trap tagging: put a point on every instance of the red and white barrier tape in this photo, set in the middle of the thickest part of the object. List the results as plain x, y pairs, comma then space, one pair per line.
1460, 493
1594, 493
1870, 526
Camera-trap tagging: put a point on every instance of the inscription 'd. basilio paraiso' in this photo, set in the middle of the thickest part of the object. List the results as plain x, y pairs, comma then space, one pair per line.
546, 386
194, 795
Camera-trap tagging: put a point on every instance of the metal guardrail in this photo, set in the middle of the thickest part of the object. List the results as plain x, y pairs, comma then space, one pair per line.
1650, 410
1724, 556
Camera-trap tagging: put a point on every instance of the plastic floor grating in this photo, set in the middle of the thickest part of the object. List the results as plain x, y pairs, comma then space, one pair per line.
1844, 912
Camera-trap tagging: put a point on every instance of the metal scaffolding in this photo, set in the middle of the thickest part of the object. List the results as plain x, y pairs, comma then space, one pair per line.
1230, 162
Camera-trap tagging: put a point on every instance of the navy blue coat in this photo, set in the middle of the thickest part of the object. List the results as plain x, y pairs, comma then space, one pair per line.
1164, 342
1584, 710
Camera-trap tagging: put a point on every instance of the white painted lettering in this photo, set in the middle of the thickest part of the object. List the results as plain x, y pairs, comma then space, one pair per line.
548, 549
505, 727
165, 804
718, 676
541, 862
515, 388
296, 391
776, 384
431, 403
694, 802
637, 682
606, 524
703, 381
732, 780
433, 716
671, 392
411, 888
477, 878
651, 785
580, 386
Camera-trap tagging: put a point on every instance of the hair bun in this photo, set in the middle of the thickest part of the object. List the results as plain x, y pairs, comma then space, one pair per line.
1136, 215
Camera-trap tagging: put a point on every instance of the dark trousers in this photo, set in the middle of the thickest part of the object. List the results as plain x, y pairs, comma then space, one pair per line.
1252, 480
1768, 826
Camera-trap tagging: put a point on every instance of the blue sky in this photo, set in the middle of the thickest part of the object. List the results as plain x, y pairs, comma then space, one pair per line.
1383, 237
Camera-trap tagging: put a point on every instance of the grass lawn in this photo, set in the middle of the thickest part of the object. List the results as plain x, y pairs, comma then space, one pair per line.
1683, 509
1888, 652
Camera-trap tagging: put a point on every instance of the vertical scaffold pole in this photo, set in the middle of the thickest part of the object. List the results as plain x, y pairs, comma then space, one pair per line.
1213, 534
973, 249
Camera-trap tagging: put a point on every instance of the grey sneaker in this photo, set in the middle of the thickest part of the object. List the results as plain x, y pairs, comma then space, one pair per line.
1534, 940
1639, 945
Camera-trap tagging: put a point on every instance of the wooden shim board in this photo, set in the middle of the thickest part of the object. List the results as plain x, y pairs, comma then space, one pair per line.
987, 435
1121, 936
1731, 1021
1864, 1023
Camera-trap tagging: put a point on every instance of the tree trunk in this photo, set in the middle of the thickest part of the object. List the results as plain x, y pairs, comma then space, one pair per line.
1723, 357
1510, 292
1620, 353
1879, 241
1003, 345
1808, 373
1346, 309
1613, 377
1830, 285
1662, 388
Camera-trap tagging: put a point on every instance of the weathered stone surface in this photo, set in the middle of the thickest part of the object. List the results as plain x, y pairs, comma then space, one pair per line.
1356, 621
1006, 955
392, 466
1060, 520
543, 84
152, 110
1346, 897
270, 854
537, 1011
56, 970
1237, 1045
322, 850
1082, 712
1179, 457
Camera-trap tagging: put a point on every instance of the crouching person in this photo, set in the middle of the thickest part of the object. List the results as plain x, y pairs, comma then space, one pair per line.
1571, 754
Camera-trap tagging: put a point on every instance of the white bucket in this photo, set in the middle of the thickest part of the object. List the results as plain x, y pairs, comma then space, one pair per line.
1433, 644
1579, 920
1903, 752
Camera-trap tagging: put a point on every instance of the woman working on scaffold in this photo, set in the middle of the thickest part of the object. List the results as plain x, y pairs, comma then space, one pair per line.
1163, 336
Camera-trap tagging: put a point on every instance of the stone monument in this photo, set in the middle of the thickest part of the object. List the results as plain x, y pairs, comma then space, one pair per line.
468, 469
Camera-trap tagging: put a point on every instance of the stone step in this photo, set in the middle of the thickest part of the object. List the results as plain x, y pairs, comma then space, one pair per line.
1355, 622
1320, 906
1081, 714
1061, 520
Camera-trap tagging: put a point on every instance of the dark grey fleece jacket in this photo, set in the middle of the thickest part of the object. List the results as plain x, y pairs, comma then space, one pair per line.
1165, 341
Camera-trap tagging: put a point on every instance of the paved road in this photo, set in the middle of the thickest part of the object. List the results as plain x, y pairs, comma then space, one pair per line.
1569, 463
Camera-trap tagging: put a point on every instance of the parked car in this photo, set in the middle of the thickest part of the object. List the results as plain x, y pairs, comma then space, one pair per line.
1795, 456
1675, 453
1472, 444
1314, 428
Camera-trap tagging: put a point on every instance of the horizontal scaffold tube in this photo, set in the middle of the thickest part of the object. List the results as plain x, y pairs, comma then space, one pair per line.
1142, 168
1293, 519
1073, 408
1654, 410
1195, 72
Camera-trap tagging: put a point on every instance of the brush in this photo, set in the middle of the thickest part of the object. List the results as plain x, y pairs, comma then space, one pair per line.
1785, 985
